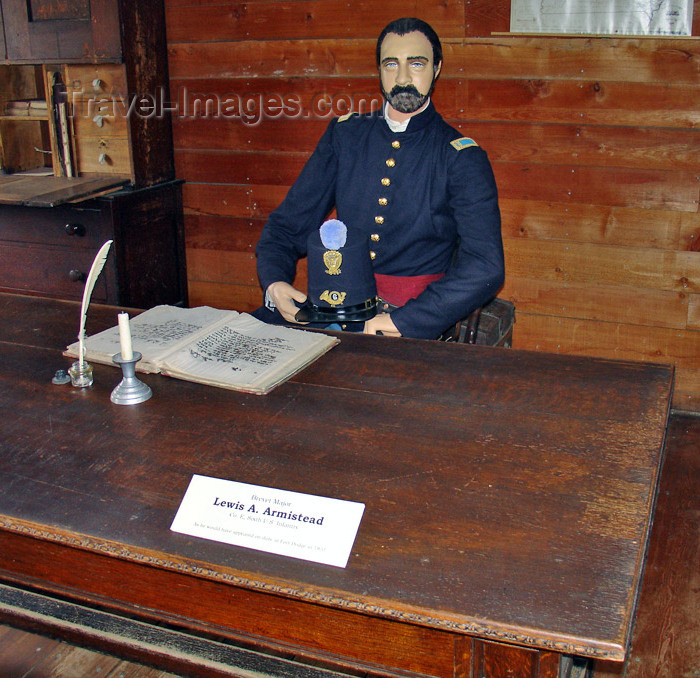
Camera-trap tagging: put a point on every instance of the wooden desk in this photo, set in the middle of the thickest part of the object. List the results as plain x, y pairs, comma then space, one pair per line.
509, 498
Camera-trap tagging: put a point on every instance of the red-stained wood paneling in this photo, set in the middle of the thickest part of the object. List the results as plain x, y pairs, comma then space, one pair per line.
302, 19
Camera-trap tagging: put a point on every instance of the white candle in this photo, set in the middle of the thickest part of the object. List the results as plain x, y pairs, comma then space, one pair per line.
125, 336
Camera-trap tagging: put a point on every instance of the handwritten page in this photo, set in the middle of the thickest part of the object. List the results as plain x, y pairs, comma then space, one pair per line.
209, 346
243, 350
154, 333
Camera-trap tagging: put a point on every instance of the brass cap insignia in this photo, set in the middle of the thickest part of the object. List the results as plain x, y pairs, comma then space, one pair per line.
333, 298
332, 259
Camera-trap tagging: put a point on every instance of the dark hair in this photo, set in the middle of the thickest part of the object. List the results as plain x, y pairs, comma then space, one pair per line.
409, 25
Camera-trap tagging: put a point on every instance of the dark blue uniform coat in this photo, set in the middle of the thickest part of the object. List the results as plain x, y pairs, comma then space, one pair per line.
416, 194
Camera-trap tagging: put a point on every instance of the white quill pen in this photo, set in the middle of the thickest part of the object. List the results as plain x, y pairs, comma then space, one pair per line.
95, 270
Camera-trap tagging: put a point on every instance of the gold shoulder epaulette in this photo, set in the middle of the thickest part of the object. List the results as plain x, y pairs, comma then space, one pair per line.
345, 117
464, 142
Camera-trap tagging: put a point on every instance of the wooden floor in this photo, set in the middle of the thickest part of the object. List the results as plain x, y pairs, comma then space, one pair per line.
30, 655
666, 640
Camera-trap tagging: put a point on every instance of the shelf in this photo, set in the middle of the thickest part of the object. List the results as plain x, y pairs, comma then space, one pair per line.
25, 118
43, 191
25, 132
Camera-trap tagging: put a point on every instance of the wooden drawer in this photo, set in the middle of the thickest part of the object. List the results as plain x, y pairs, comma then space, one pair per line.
67, 226
99, 82
103, 155
51, 270
99, 124
100, 105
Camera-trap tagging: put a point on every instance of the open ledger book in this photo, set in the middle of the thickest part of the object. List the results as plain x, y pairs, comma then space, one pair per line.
211, 346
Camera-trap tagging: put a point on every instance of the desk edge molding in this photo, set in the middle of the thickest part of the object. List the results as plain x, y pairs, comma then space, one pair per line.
462, 625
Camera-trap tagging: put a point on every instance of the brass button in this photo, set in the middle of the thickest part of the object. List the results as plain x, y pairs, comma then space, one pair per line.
386, 181
372, 255
374, 237
383, 202
379, 219
390, 162
396, 144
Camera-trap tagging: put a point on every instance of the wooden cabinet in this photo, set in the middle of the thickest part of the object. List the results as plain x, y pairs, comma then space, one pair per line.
127, 64
90, 166
63, 30
49, 250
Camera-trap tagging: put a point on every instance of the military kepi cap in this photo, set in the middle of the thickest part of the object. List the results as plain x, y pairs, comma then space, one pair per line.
342, 287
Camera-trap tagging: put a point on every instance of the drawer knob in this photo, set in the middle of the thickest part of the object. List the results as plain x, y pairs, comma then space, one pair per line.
76, 276
75, 229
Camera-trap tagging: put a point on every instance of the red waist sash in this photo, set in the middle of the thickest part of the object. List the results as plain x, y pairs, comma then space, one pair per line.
398, 289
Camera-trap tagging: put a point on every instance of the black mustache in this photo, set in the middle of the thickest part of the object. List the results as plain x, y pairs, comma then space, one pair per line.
404, 89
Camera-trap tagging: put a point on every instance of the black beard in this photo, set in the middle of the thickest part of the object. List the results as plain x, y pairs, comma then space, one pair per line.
405, 98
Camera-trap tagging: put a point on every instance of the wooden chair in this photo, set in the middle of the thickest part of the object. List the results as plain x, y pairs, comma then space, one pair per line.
490, 325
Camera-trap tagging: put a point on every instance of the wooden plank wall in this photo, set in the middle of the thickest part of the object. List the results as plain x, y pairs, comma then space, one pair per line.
594, 142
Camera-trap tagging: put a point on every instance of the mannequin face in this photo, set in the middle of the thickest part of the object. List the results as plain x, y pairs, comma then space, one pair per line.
406, 71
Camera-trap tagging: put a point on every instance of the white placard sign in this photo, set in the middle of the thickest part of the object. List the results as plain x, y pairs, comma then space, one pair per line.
602, 17
319, 529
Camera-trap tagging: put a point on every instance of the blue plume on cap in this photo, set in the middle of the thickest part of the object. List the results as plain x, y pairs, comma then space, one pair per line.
334, 233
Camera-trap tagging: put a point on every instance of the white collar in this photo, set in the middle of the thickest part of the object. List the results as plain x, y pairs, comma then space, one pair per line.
395, 126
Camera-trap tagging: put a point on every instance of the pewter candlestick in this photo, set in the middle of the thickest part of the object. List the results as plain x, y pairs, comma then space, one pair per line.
130, 390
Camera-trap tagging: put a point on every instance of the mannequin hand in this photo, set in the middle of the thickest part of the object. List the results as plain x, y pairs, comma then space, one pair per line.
382, 323
284, 295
